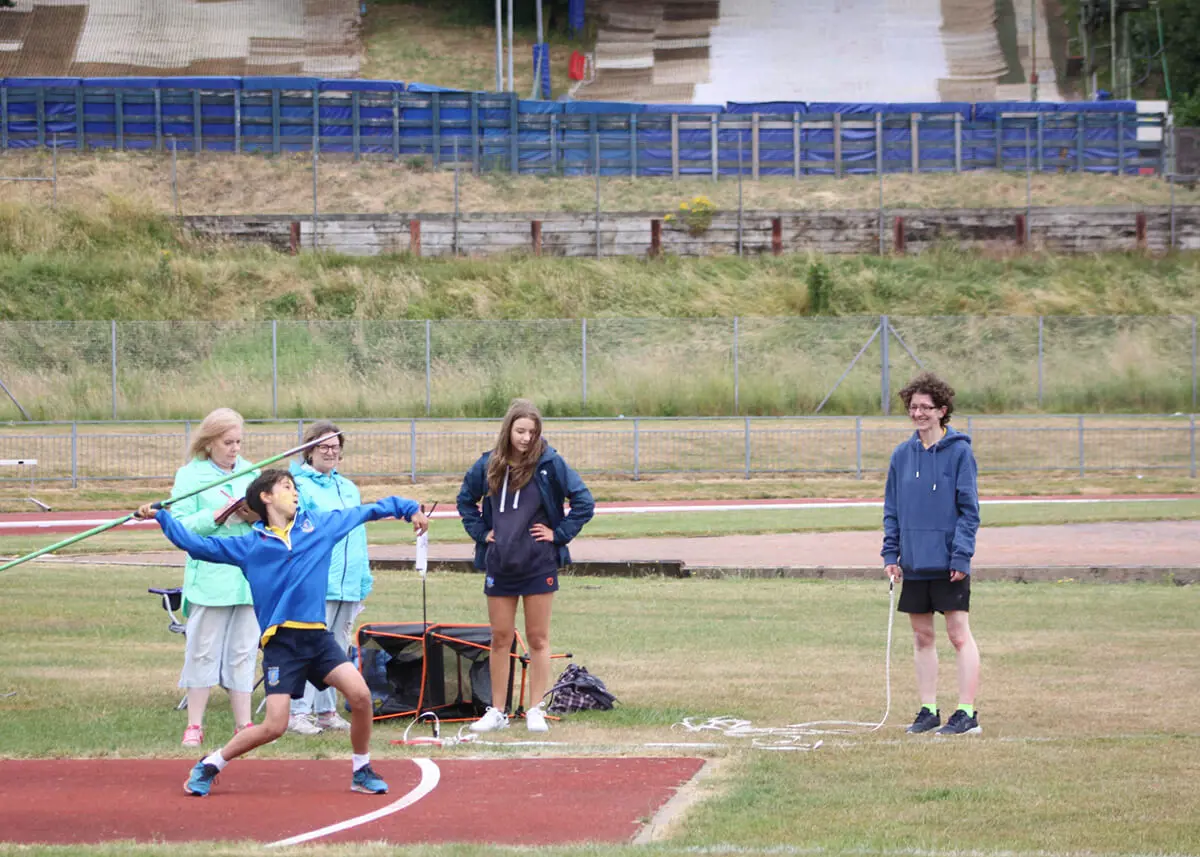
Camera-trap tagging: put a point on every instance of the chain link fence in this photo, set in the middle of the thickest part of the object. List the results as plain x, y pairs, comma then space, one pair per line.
631, 447
634, 367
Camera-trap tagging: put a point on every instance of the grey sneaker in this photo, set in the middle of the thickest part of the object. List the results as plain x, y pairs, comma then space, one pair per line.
331, 720
961, 723
303, 724
926, 721
492, 720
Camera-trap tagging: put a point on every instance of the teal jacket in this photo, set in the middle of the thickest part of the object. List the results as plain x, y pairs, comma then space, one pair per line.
349, 569
210, 584
287, 576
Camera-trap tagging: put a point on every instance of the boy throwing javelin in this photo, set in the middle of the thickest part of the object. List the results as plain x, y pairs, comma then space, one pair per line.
286, 562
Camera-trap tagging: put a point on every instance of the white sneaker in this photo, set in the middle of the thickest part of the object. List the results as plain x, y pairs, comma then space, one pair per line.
492, 720
302, 724
332, 721
535, 719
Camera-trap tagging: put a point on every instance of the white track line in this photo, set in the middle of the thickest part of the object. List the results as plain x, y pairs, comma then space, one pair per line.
431, 774
86, 523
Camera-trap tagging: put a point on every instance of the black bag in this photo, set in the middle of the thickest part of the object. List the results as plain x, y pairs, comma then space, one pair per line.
579, 690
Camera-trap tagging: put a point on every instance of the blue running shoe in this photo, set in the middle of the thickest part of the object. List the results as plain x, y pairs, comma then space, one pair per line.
201, 779
368, 782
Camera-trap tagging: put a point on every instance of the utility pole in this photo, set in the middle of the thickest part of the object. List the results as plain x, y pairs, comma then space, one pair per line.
1033, 75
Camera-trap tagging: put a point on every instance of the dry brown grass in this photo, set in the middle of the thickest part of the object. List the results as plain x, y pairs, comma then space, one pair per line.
256, 184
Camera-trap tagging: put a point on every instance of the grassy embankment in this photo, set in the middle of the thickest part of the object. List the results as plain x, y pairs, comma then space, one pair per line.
123, 261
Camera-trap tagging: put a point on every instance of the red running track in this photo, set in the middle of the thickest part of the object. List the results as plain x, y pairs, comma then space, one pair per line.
504, 801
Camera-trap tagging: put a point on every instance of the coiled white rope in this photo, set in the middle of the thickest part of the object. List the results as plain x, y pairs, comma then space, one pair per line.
798, 736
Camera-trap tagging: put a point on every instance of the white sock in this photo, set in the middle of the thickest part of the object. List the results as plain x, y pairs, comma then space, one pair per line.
216, 760
360, 761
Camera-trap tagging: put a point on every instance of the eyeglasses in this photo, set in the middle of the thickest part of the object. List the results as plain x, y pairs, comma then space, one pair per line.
924, 409
330, 448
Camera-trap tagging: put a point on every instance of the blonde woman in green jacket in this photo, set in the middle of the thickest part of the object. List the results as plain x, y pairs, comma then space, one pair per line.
222, 633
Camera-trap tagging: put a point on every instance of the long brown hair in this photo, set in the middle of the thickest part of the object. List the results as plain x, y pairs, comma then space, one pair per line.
505, 457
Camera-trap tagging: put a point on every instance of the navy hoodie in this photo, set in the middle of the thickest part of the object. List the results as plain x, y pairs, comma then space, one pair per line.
556, 482
931, 507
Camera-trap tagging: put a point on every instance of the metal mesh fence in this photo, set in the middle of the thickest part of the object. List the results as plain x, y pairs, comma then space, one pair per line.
608, 366
631, 447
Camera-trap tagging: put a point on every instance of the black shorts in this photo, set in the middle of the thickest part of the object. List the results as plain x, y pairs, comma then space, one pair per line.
935, 596
295, 655
508, 586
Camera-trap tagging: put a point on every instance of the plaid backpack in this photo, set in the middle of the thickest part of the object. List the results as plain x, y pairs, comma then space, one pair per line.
579, 690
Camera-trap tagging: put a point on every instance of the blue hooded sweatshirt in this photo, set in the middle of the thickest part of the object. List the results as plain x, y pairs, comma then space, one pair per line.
286, 580
555, 481
931, 507
350, 568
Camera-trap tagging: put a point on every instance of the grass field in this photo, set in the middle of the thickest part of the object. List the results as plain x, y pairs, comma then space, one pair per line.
1088, 693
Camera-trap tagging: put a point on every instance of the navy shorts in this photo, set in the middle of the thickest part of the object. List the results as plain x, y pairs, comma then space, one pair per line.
935, 596
508, 586
294, 656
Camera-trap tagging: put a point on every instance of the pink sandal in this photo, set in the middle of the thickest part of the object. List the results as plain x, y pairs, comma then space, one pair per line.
193, 736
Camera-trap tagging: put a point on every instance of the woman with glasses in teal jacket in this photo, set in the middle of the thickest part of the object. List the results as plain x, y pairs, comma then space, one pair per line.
323, 488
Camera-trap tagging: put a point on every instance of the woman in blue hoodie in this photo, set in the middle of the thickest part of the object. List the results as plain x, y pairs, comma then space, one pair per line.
323, 489
930, 517
520, 546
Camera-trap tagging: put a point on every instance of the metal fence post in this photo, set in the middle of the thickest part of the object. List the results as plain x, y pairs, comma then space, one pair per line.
1028, 190
114, 368
637, 450
74, 454
747, 474
1082, 465
412, 450
739, 216
714, 138
583, 354
879, 171
1041, 356
674, 145
596, 145
885, 369
175, 176
958, 142
274, 369
736, 380
1171, 184
455, 194
428, 367
316, 211
1192, 430
754, 145
858, 443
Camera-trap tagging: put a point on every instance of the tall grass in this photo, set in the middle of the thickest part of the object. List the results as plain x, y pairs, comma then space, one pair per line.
660, 334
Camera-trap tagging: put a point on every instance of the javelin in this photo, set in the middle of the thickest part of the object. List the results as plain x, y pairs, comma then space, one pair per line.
78, 537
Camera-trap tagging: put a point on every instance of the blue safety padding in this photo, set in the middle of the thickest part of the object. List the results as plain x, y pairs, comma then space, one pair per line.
773, 107
985, 111
429, 87
257, 84
361, 86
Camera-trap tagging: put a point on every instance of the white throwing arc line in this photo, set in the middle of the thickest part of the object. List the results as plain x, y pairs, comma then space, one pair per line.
431, 774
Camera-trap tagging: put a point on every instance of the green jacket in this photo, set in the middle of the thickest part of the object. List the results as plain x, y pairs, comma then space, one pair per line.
210, 584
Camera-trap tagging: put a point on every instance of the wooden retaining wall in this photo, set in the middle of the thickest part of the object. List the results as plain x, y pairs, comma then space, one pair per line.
1058, 230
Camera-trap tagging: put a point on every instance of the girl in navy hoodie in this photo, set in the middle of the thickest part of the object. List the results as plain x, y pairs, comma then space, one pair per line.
930, 517
511, 503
